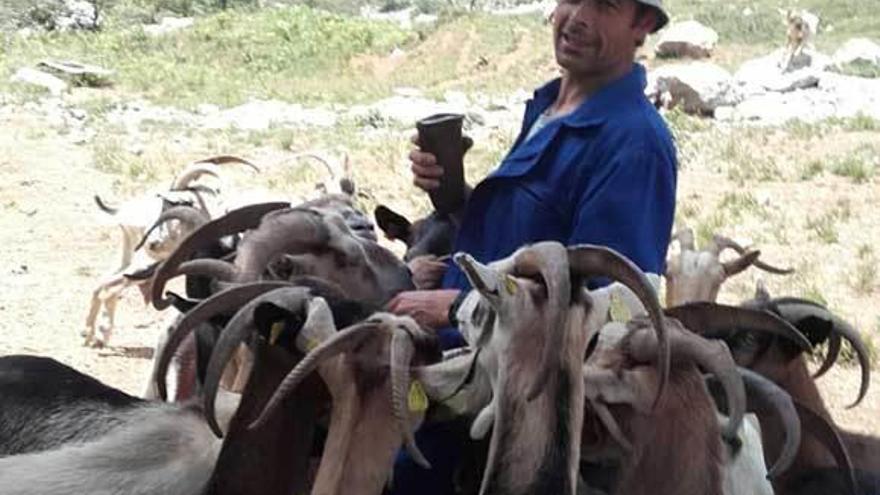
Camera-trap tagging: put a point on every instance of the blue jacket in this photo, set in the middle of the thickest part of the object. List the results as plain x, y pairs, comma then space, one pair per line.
603, 174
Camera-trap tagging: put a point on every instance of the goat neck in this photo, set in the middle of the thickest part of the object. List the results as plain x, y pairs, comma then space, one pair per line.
272, 460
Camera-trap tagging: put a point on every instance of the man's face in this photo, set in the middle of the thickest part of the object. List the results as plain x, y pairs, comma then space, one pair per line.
595, 37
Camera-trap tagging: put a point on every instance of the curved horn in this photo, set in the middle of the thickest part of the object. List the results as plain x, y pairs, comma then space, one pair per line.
719, 321
826, 433
738, 265
549, 260
208, 267
714, 356
192, 172
588, 260
795, 311
233, 222
768, 395
726, 242
219, 303
402, 351
235, 334
343, 341
183, 214
835, 342
225, 159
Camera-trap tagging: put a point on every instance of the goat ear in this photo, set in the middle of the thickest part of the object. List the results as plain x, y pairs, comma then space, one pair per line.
483, 278
736, 266
395, 225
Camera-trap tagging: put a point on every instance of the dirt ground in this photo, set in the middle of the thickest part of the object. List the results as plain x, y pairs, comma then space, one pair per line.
53, 249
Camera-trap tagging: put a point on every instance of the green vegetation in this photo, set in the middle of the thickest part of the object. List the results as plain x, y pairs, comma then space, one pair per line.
860, 165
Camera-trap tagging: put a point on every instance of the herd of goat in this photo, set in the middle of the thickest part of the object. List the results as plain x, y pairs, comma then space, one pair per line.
281, 374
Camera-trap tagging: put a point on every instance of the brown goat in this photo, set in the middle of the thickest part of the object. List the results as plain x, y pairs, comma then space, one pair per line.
620, 382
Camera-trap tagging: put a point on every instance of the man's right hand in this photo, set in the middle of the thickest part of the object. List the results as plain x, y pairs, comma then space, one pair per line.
426, 172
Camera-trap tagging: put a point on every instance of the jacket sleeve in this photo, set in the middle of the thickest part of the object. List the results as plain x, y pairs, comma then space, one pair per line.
629, 206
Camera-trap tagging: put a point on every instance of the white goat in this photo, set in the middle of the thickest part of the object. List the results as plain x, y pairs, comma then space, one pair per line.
148, 238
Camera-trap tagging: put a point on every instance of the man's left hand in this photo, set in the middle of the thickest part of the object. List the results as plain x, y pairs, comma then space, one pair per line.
430, 308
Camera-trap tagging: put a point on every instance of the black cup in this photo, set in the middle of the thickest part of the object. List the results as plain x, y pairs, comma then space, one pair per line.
440, 135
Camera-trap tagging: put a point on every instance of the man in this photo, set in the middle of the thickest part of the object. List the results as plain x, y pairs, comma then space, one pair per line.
594, 163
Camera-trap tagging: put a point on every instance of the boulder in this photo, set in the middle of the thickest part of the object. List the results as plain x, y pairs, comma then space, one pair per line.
168, 25
858, 50
697, 87
35, 77
686, 39
766, 74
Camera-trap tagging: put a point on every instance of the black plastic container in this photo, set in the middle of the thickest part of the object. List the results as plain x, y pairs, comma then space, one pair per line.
440, 135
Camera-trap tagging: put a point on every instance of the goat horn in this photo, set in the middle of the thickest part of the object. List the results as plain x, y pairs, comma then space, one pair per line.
183, 214
713, 320
826, 433
726, 242
590, 260
685, 237
766, 393
235, 334
224, 159
192, 172
795, 311
738, 265
219, 303
711, 355
550, 261
208, 267
343, 341
233, 222
402, 350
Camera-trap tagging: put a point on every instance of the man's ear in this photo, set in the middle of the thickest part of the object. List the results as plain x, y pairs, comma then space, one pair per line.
395, 225
644, 22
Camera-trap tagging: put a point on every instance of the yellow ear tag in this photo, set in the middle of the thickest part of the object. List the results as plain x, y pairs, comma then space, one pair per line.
275, 332
619, 311
311, 344
510, 285
418, 400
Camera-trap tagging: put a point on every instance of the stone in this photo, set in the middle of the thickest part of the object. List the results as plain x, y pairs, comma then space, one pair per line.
698, 88
686, 39
35, 77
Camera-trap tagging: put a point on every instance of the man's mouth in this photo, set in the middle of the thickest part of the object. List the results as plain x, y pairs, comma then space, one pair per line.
572, 41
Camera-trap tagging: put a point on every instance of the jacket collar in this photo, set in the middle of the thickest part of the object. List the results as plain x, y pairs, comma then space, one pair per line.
595, 109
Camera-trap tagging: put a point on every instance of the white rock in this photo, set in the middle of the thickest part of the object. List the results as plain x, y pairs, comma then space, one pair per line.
858, 50
697, 87
687, 39
35, 77
765, 74
78, 14
167, 25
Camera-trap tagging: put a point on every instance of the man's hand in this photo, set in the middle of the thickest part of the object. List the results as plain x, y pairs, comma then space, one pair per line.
426, 172
427, 271
430, 308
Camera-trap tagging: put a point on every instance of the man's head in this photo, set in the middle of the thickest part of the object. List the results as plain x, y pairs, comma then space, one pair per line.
596, 37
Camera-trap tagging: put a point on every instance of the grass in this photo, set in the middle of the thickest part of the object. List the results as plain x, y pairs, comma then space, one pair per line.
865, 276
860, 165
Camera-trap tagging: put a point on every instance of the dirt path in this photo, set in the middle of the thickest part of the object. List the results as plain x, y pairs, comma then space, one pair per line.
52, 250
